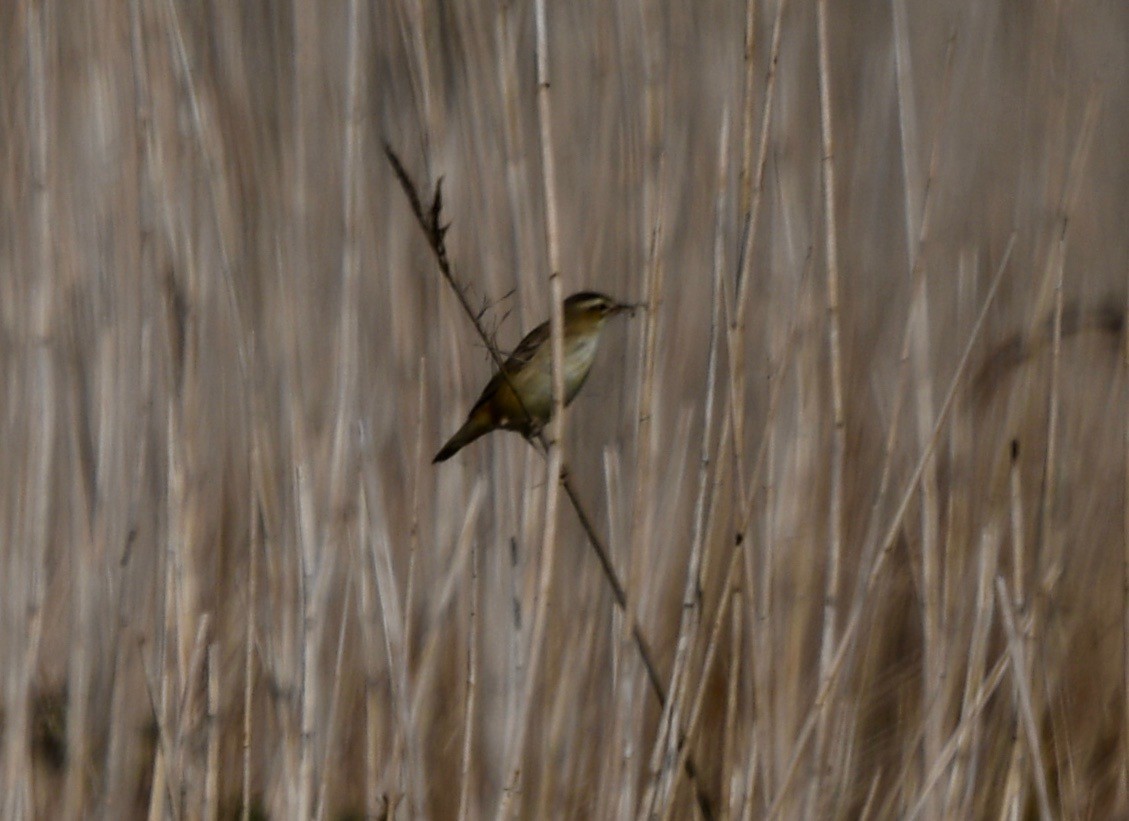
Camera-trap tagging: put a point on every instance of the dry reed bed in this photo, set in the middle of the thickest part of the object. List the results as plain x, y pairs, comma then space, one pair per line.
861, 463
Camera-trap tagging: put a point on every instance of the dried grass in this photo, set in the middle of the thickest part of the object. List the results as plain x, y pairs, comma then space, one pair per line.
863, 462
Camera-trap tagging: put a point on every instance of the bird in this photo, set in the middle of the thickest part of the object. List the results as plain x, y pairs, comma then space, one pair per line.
519, 397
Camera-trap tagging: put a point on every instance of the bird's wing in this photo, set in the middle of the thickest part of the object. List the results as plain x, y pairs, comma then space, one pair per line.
521, 355
527, 347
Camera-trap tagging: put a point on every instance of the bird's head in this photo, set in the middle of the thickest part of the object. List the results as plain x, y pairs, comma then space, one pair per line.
590, 306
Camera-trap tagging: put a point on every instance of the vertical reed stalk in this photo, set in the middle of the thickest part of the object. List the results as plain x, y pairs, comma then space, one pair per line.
837, 456
513, 771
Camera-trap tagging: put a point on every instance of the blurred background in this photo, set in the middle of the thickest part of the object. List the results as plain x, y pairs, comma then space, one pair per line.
868, 497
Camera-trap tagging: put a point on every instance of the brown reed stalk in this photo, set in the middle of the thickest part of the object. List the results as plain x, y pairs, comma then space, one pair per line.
958, 740
1125, 561
512, 773
334, 702
1019, 671
670, 736
836, 459
628, 713
931, 560
470, 700
962, 779
212, 763
39, 378
405, 753
874, 571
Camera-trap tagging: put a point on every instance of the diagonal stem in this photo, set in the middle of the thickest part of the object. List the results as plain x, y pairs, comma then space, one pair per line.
430, 222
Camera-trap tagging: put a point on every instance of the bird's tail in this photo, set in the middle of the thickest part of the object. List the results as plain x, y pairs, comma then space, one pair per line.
476, 425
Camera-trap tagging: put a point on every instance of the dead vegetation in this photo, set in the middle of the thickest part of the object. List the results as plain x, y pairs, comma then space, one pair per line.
860, 465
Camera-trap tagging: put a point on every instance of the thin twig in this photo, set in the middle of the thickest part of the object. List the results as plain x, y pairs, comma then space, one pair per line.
430, 221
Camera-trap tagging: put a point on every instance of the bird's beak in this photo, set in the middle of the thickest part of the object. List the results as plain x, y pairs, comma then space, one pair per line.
627, 308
